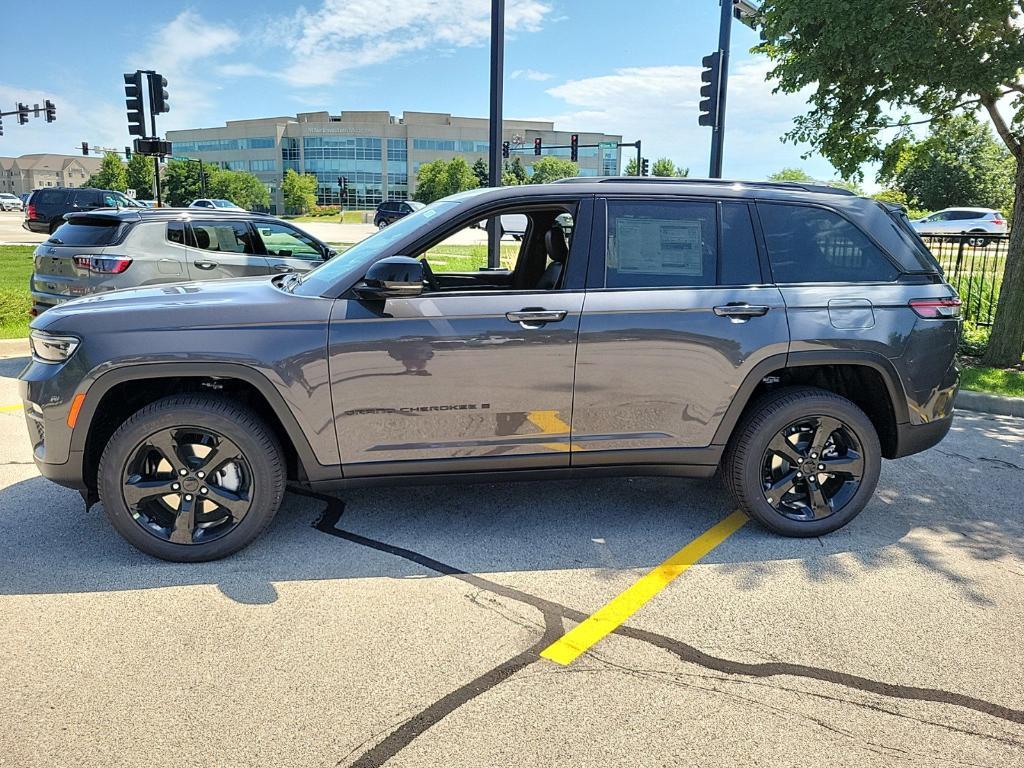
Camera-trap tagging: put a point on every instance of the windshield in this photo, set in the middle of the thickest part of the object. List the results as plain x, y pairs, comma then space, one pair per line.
224, 204
359, 256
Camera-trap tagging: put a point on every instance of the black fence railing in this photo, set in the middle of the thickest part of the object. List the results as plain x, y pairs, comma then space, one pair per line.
973, 264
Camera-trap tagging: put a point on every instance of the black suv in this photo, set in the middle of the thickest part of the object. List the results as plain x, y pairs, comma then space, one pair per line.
790, 336
393, 210
46, 207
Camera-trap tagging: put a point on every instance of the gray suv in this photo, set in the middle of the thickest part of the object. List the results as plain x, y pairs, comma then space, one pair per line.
109, 249
789, 336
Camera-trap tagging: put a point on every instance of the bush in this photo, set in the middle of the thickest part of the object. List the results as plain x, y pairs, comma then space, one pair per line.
974, 342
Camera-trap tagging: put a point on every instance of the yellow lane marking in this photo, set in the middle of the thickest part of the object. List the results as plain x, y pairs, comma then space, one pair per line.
567, 648
550, 424
6, 408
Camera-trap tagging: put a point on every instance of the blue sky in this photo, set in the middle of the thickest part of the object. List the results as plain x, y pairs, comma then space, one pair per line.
629, 68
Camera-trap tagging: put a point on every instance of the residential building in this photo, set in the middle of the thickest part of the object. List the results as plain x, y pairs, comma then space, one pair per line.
378, 153
27, 172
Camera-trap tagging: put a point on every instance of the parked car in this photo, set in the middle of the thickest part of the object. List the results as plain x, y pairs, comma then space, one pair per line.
46, 208
9, 202
787, 336
955, 221
218, 203
146, 203
107, 250
391, 211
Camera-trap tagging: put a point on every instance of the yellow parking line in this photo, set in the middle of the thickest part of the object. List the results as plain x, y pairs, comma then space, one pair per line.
6, 408
550, 424
567, 648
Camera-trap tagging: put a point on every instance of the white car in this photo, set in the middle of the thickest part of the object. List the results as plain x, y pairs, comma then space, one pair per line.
9, 202
954, 221
215, 202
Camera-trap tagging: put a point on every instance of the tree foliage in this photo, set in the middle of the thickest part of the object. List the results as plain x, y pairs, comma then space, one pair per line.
241, 188
664, 166
549, 169
870, 64
791, 174
298, 191
631, 168
111, 174
480, 170
139, 176
959, 163
180, 183
441, 178
514, 173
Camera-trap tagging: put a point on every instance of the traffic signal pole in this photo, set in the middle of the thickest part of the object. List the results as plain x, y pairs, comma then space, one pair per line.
718, 130
495, 147
156, 162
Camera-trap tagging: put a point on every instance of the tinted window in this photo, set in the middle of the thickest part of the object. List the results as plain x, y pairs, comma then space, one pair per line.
233, 237
86, 232
86, 197
811, 245
739, 250
279, 240
965, 215
47, 196
661, 244
178, 232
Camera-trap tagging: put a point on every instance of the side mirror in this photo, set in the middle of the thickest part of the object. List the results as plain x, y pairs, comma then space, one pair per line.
329, 253
393, 277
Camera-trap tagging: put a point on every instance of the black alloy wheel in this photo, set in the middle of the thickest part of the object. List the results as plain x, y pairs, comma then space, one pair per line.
812, 468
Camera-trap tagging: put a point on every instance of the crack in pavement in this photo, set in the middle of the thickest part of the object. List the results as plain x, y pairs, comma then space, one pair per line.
554, 613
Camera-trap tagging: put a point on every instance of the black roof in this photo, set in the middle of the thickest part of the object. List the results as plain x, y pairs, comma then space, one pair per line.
160, 214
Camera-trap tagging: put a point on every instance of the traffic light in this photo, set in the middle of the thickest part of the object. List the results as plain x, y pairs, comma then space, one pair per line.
343, 183
133, 102
711, 77
152, 147
22, 113
51, 111
574, 147
158, 95
85, 148
505, 149
127, 153
537, 146
1, 125
645, 167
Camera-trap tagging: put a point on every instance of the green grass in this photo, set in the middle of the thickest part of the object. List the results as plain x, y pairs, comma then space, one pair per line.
349, 217
15, 300
997, 381
468, 258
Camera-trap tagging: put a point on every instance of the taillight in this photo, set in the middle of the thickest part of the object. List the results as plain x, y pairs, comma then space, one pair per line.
31, 211
998, 222
933, 309
106, 265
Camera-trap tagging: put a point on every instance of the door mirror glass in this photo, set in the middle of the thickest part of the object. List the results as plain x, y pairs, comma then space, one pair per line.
395, 276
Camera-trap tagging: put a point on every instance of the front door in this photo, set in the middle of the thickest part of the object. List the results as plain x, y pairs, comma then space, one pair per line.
470, 376
288, 249
677, 315
224, 248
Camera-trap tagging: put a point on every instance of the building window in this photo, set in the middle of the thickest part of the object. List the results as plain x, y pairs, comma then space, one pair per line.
342, 147
262, 165
398, 150
449, 145
224, 145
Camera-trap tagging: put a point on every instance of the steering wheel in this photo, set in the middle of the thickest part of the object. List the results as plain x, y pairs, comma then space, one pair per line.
428, 276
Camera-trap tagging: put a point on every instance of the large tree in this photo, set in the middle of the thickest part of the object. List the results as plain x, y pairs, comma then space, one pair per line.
441, 178
480, 171
298, 191
180, 182
664, 166
872, 65
552, 169
959, 163
790, 174
514, 173
139, 175
243, 189
111, 174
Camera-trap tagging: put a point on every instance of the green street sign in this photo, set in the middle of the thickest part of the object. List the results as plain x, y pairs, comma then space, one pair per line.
608, 145
182, 159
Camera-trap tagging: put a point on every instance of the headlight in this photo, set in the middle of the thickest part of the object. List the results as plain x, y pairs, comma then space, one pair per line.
50, 348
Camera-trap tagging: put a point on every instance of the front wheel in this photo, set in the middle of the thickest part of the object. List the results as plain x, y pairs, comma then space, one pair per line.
803, 461
191, 478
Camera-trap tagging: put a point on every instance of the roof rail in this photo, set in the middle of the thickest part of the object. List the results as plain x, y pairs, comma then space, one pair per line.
790, 185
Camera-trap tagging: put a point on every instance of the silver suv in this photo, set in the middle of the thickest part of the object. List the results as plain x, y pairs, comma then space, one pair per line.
954, 221
105, 250
9, 202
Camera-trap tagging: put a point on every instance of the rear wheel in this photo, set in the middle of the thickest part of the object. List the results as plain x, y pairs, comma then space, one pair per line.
191, 478
803, 462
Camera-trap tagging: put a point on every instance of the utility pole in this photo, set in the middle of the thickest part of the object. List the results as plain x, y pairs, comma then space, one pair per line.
718, 131
495, 146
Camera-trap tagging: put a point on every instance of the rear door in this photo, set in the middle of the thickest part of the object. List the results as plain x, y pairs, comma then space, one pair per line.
224, 248
288, 249
678, 313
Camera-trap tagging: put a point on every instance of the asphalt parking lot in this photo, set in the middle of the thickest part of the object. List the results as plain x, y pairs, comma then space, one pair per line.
406, 626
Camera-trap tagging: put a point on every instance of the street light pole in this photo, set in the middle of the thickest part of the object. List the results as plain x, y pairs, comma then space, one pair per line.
494, 148
718, 131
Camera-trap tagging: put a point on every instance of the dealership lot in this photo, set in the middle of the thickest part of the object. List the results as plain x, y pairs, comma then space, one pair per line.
404, 626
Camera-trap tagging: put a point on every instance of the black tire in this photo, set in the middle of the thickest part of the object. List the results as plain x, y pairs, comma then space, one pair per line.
743, 465
259, 448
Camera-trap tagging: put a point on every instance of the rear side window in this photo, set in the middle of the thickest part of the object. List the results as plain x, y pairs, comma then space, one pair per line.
225, 237
653, 244
739, 249
89, 232
812, 245
47, 196
179, 233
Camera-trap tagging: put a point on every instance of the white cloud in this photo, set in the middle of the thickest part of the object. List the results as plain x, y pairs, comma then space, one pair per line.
659, 106
344, 35
530, 74
80, 118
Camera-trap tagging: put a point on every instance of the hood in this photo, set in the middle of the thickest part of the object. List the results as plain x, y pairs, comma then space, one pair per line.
211, 304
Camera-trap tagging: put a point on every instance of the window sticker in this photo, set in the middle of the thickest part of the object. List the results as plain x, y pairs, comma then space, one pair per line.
658, 246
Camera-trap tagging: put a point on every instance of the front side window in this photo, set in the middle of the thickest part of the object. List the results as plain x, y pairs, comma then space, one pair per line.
654, 244
813, 245
223, 237
285, 242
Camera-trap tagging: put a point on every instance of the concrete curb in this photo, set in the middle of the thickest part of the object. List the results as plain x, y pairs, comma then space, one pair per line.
986, 403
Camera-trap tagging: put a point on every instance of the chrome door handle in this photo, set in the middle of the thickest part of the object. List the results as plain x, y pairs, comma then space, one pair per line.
281, 268
741, 311
205, 264
535, 318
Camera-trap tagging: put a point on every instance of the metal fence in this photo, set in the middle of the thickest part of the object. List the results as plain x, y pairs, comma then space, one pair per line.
973, 264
